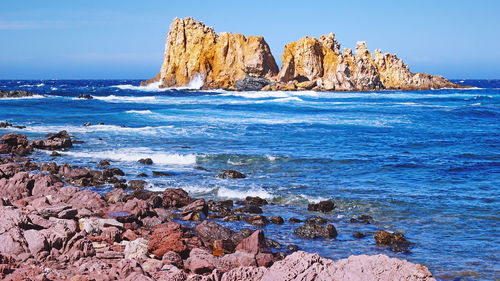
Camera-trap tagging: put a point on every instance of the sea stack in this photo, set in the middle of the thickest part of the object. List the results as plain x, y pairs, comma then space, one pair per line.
195, 53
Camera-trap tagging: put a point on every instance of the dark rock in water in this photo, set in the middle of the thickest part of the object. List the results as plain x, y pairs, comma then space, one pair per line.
100, 123
323, 206
257, 220
359, 235
19, 127
248, 209
136, 184
142, 175
257, 201
15, 94
231, 174
55, 154
292, 247
273, 243
104, 163
57, 141
120, 185
219, 209
77, 141
209, 232
87, 97
87, 124
276, 220
111, 172
312, 231
146, 161
5, 124
161, 174
294, 220
396, 241
16, 143
361, 219
316, 220
250, 83
233, 218
201, 168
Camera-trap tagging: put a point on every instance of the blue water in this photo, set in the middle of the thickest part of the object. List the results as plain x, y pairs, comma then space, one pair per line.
425, 163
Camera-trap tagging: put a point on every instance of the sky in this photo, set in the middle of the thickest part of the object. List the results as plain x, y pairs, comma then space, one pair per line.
122, 39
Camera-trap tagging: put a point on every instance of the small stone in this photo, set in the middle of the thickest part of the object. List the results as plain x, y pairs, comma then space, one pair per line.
323, 206
231, 174
276, 220
146, 161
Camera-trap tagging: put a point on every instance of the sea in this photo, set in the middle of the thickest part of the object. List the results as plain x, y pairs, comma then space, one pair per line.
423, 163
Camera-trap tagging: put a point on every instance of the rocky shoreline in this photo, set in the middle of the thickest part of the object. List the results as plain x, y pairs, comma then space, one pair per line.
51, 229
195, 54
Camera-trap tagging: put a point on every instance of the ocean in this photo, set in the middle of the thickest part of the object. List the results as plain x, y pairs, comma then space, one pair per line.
424, 163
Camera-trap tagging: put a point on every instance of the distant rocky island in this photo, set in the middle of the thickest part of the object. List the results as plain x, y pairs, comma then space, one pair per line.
230, 61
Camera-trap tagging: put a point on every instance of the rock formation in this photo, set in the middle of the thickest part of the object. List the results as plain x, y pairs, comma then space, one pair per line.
321, 63
195, 53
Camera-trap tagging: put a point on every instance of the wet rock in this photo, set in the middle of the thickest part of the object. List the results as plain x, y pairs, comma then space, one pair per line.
294, 220
209, 232
146, 161
233, 218
85, 96
396, 241
312, 231
276, 220
57, 141
111, 172
14, 143
136, 184
167, 237
5, 124
256, 245
316, 220
142, 175
248, 209
219, 208
197, 210
359, 235
103, 163
292, 247
55, 154
250, 83
323, 206
15, 94
256, 201
273, 243
161, 174
231, 174
175, 198
87, 124
257, 220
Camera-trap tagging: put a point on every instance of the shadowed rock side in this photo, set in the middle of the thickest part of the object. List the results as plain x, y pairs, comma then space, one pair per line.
194, 52
193, 49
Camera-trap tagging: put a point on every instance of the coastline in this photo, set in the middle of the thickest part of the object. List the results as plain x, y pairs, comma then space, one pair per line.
64, 224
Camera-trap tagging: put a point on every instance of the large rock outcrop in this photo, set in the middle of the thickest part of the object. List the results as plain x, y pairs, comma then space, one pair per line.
321, 61
198, 57
195, 52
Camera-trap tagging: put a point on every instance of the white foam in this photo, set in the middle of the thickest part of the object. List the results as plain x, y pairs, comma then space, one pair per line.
148, 130
196, 83
258, 94
134, 154
40, 85
22, 98
225, 192
139, 111
54, 89
152, 87
126, 99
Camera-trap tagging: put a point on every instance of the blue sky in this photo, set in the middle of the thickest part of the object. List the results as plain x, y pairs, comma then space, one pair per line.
125, 39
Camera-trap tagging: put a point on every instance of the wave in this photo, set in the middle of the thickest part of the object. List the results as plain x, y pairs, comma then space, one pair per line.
224, 192
22, 98
139, 111
134, 154
148, 130
126, 99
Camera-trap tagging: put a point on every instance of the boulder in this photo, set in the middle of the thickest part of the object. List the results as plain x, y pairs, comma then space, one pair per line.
136, 249
167, 237
396, 241
312, 231
57, 141
175, 198
323, 206
146, 161
197, 210
231, 174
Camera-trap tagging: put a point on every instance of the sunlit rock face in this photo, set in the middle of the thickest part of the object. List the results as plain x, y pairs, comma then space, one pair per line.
195, 52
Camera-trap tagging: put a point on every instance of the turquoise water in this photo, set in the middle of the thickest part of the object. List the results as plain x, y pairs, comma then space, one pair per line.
425, 163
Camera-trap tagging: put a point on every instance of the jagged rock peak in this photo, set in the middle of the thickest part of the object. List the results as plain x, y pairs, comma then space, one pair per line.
195, 51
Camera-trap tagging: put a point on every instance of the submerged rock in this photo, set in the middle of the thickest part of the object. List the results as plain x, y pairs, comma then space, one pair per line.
312, 231
396, 241
231, 174
323, 206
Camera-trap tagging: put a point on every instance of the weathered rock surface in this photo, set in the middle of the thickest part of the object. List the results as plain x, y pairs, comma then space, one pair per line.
15, 94
195, 51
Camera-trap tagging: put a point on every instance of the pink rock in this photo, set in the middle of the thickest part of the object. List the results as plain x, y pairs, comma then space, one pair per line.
254, 244
173, 258
37, 242
167, 237
17, 187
